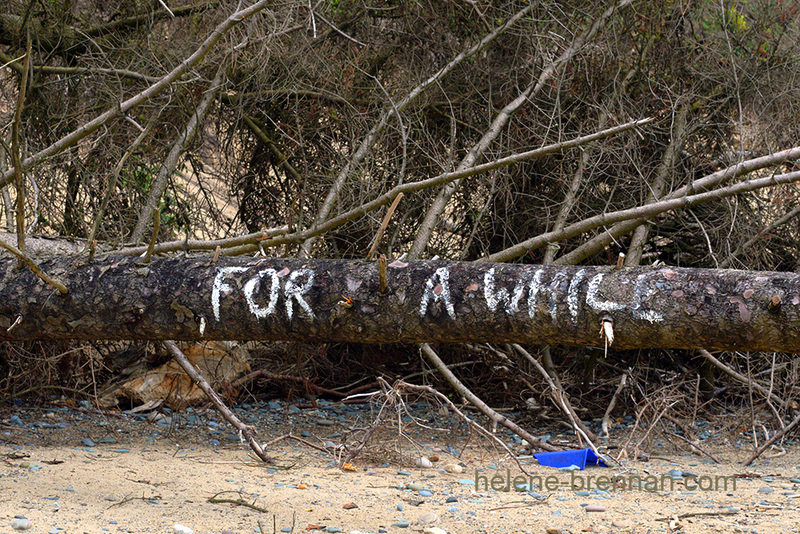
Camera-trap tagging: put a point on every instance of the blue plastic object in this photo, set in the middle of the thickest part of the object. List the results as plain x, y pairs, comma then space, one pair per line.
580, 457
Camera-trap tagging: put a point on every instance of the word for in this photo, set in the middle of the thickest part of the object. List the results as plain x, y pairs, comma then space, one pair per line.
297, 284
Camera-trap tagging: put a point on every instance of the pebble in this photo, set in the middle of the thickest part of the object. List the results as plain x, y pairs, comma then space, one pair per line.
350, 506
466, 482
426, 519
404, 473
425, 493
434, 530
180, 529
765, 489
424, 463
594, 508
333, 529
21, 524
87, 442
553, 531
451, 499
227, 531
413, 486
401, 524
454, 468
15, 421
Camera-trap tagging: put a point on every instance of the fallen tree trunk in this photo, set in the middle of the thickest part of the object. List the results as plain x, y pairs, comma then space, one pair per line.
421, 301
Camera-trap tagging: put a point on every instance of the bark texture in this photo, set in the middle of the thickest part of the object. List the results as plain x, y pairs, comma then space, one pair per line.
426, 301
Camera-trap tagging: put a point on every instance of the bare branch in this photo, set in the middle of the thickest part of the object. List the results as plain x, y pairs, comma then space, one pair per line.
712, 180
372, 136
16, 150
185, 245
24, 258
95, 124
656, 190
389, 196
171, 162
741, 378
246, 430
462, 390
437, 208
642, 212
13, 63
767, 229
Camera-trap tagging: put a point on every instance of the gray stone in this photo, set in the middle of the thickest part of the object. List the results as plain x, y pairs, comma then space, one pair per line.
21, 524
427, 519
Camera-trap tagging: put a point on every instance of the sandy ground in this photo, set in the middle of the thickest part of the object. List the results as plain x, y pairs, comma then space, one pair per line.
147, 479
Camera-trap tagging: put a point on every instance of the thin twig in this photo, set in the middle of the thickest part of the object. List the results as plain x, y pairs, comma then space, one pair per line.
647, 211
170, 163
239, 502
16, 151
462, 390
211, 244
154, 237
384, 224
35, 268
705, 183
560, 399
741, 378
759, 236
337, 30
472, 424
779, 434
247, 431
697, 447
607, 416
373, 427
112, 183
308, 384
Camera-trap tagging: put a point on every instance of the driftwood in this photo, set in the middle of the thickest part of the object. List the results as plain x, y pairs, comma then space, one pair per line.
194, 298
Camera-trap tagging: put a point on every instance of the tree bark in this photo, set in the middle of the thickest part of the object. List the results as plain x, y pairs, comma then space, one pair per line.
426, 301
